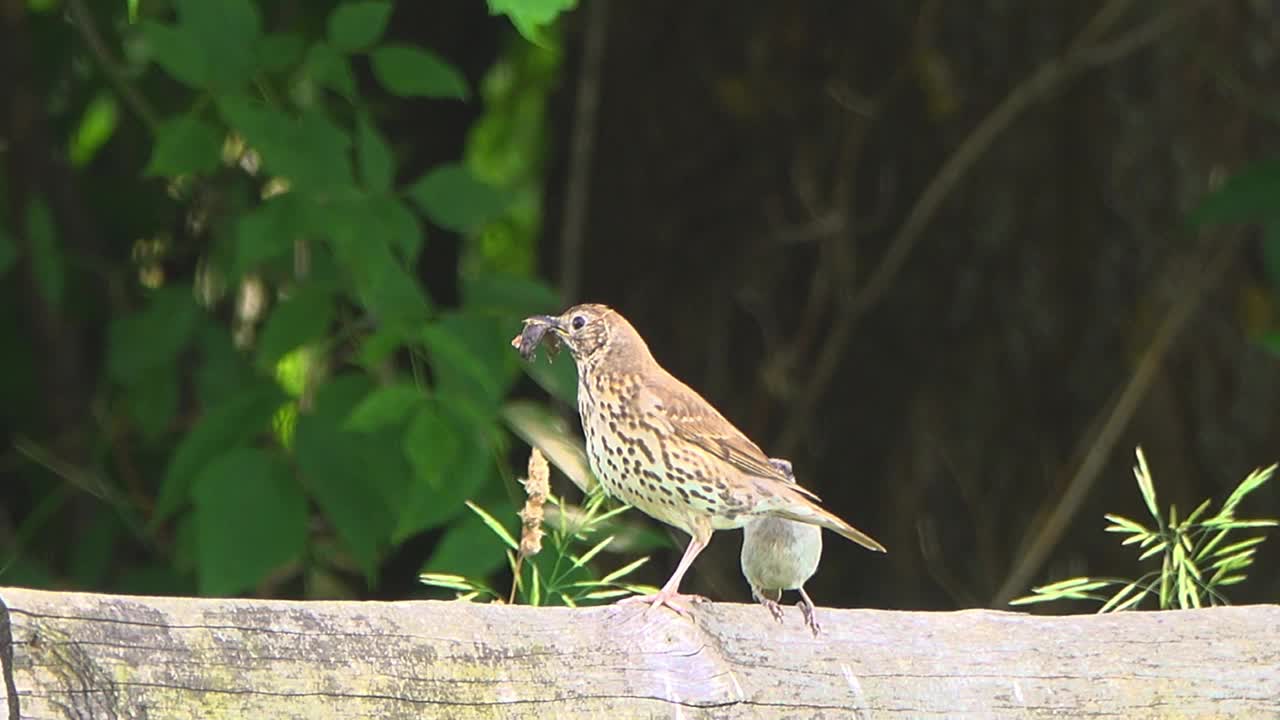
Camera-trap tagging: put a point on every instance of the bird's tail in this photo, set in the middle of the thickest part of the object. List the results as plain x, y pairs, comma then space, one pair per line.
806, 511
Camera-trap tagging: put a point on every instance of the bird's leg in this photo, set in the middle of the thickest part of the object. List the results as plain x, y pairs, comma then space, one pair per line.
806, 607
670, 594
774, 607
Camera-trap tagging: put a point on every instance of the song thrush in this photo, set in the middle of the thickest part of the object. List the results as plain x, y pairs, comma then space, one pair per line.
658, 446
780, 554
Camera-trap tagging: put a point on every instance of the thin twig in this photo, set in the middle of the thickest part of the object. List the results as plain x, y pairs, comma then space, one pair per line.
578, 187
1096, 448
82, 19
1048, 79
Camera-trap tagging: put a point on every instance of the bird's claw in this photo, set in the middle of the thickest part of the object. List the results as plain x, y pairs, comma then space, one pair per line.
679, 602
810, 617
775, 609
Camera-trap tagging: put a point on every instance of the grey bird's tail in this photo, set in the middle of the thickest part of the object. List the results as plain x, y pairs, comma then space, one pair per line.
806, 511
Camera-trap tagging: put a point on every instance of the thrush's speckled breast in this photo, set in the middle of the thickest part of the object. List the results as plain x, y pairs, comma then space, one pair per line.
657, 445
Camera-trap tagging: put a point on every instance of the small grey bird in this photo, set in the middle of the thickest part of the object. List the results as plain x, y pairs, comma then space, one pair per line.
780, 554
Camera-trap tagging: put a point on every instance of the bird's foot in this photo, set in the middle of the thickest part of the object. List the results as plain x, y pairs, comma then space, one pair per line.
773, 606
810, 617
679, 602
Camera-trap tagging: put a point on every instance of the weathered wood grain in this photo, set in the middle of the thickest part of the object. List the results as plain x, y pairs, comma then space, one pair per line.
75, 655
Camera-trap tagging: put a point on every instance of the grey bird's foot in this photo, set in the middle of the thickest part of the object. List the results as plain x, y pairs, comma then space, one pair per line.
773, 606
810, 618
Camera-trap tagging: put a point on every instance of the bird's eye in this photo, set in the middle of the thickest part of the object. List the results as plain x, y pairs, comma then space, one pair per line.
578, 321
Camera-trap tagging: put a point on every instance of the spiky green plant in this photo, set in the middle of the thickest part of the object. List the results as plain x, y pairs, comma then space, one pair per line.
1195, 559
562, 573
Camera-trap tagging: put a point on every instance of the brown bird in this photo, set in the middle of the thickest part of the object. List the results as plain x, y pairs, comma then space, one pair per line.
658, 446
780, 554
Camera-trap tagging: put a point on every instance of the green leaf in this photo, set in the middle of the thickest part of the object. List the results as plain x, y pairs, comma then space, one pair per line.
185, 144
174, 50
309, 150
449, 467
236, 421
268, 231
1124, 524
413, 72
226, 33
454, 199
355, 26
144, 341
1238, 546
1252, 482
293, 323
377, 167
624, 571
503, 534
1143, 475
251, 518
279, 51
1271, 255
213, 46
457, 360
97, 125
329, 68
386, 288
8, 251
352, 477
595, 550
385, 406
468, 547
1119, 597
153, 401
47, 260
1251, 195
513, 296
397, 225
223, 369
446, 580
432, 446
530, 17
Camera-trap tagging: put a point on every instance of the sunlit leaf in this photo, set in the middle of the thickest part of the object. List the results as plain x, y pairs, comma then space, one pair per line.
494, 525
624, 570
531, 17
595, 550
97, 125
1121, 595
1143, 475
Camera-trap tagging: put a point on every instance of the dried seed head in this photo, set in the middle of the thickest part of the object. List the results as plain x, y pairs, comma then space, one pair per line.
537, 486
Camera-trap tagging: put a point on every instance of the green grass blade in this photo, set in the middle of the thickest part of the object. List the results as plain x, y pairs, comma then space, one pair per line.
494, 525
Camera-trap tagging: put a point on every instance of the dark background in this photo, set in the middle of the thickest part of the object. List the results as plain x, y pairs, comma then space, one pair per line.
937, 254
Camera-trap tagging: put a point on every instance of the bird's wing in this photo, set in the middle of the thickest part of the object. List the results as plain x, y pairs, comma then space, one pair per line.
692, 419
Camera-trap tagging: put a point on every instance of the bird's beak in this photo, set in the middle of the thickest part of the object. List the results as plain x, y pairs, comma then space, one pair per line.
551, 321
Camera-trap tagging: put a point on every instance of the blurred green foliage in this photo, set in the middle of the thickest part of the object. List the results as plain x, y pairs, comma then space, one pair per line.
282, 401
1252, 195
